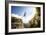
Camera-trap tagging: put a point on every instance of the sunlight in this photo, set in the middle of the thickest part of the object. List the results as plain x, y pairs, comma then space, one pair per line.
29, 17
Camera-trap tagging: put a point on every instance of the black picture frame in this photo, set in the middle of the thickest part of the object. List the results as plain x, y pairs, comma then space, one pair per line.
6, 17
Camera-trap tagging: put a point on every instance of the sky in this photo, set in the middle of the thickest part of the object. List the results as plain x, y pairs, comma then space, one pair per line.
21, 10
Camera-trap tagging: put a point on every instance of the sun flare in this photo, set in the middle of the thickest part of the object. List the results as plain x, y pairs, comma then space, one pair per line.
27, 18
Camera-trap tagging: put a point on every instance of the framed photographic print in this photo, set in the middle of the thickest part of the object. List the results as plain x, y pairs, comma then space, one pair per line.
24, 17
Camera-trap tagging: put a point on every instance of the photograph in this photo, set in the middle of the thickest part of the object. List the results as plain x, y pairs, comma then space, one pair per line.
25, 17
